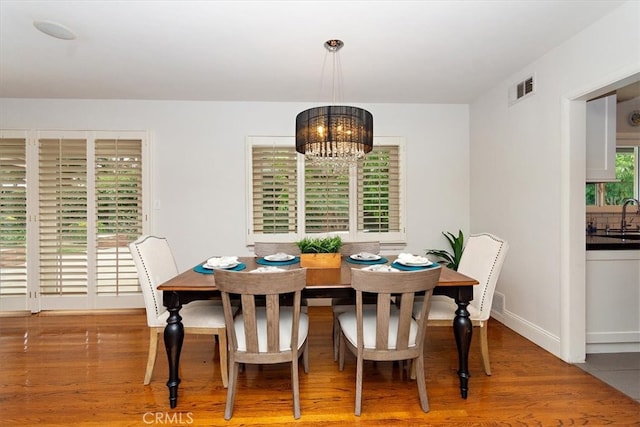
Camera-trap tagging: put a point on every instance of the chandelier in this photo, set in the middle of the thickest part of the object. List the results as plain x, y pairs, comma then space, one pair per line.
334, 136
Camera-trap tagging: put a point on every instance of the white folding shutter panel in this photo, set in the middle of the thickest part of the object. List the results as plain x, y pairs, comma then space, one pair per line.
379, 191
274, 189
13, 223
326, 200
118, 193
63, 216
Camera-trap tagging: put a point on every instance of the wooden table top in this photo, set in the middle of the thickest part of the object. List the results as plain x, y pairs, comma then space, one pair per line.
317, 278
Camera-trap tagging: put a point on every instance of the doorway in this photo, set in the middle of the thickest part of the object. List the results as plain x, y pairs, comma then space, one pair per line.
573, 252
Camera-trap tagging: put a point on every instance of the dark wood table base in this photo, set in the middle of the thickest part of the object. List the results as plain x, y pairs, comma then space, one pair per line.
462, 330
173, 339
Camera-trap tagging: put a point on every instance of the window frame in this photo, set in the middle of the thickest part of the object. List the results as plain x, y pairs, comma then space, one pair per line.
353, 234
600, 187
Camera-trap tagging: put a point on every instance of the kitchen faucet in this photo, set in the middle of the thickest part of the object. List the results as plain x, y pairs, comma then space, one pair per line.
627, 202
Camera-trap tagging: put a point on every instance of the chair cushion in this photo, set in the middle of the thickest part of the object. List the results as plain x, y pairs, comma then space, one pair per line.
349, 328
286, 321
197, 314
444, 308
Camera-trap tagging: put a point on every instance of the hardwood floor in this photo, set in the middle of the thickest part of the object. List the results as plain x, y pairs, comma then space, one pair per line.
88, 370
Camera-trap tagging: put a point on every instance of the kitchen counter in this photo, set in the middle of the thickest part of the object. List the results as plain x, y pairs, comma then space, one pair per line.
599, 242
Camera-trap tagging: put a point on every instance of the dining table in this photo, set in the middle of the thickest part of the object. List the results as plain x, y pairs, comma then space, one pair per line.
197, 284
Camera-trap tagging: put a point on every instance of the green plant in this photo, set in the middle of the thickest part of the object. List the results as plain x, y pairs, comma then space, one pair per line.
320, 245
457, 246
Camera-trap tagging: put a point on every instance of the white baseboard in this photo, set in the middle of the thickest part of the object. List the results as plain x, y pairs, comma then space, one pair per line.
625, 347
613, 342
530, 331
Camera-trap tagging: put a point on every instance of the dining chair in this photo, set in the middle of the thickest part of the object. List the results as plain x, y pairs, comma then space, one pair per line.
350, 248
264, 334
388, 332
261, 249
340, 305
155, 265
482, 259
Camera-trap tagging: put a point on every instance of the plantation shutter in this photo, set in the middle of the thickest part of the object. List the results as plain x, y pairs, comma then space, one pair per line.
274, 190
13, 217
379, 191
118, 181
326, 200
63, 216
365, 202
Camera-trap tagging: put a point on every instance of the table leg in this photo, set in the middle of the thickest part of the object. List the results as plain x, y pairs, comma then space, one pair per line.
463, 329
173, 339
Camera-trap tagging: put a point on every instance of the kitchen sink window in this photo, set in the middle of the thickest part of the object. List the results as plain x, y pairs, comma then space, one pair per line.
627, 174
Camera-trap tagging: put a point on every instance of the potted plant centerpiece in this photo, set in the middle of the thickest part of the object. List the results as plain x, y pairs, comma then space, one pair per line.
320, 252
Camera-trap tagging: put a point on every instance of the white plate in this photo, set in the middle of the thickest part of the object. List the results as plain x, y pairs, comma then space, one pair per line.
279, 257
414, 264
365, 256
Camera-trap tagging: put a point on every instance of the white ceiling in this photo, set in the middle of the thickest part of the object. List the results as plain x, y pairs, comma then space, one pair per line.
395, 51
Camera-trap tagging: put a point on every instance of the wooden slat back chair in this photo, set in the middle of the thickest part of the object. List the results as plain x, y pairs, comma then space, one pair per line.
350, 248
340, 305
388, 331
264, 334
262, 249
155, 265
482, 259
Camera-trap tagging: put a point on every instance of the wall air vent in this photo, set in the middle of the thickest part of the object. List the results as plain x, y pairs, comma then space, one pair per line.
521, 90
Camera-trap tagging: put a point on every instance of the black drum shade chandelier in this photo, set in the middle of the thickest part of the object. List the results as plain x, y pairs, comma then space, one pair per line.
334, 136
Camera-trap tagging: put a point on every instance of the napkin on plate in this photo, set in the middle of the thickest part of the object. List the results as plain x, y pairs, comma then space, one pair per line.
366, 256
412, 259
222, 261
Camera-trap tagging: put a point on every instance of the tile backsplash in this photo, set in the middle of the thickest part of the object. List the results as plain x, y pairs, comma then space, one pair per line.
603, 220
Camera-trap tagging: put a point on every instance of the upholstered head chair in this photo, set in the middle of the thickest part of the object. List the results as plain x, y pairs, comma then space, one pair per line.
155, 265
482, 259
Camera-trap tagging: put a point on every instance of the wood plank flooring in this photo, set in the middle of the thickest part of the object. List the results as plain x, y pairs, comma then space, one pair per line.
65, 370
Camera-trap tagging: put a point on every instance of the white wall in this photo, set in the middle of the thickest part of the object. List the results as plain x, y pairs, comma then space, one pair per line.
622, 115
527, 184
199, 161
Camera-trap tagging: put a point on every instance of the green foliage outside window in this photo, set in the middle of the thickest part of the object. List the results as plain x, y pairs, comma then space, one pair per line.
616, 192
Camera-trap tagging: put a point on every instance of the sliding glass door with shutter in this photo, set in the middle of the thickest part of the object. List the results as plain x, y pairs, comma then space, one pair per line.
87, 192
14, 293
